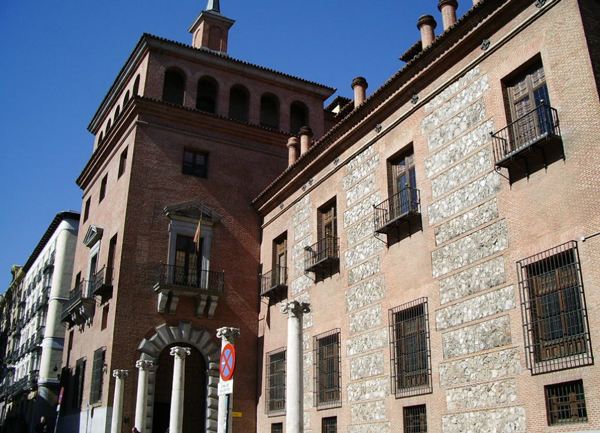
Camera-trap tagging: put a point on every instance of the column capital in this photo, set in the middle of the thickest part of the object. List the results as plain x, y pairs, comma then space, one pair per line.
144, 365
120, 374
295, 308
228, 333
180, 352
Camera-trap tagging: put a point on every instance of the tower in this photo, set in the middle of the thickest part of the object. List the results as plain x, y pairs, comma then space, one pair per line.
211, 28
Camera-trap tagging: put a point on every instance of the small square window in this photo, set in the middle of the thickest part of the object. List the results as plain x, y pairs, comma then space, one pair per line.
103, 188
415, 419
195, 163
565, 403
329, 424
277, 427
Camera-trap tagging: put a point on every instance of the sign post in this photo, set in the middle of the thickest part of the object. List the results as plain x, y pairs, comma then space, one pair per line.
60, 398
226, 370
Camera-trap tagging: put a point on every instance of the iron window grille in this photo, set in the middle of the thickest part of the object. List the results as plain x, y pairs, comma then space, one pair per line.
327, 368
415, 419
329, 424
553, 307
410, 349
565, 403
277, 427
275, 400
97, 375
195, 163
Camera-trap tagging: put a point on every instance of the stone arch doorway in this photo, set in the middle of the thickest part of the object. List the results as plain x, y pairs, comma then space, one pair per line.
157, 348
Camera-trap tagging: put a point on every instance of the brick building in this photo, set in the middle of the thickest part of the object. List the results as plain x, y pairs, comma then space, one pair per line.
441, 229
185, 138
443, 233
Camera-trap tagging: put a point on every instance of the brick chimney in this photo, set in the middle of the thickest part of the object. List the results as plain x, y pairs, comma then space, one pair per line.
448, 10
211, 28
427, 26
306, 136
359, 85
292, 146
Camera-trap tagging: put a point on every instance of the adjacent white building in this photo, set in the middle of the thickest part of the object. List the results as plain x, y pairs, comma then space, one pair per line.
34, 335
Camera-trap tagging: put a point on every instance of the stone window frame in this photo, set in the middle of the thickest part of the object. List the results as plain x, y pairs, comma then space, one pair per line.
553, 278
280, 387
565, 403
415, 418
411, 314
327, 370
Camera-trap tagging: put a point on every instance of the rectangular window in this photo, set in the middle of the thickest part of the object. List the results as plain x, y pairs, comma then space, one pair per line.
526, 92
78, 379
280, 260
195, 163
402, 184
415, 419
86, 209
275, 381
329, 424
97, 375
277, 427
327, 369
410, 349
565, 403
103, 188
122, 163
553, 304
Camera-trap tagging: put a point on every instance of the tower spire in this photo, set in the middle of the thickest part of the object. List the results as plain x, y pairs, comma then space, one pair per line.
213, 5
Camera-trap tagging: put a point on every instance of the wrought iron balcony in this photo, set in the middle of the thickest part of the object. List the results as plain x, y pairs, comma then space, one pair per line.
101, 284
174, 281
401, 208
273, 280
322, 254
19, 386
530, 132
80, 307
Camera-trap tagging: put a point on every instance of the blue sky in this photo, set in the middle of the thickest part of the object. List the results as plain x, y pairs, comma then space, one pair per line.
60, 57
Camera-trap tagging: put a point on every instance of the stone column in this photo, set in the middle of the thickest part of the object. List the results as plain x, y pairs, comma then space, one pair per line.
176, 417
227, 336
142, 394
294, 391
117, 415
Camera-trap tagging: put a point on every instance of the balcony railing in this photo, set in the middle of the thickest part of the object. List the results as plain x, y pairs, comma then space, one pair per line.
101, 284
175, 281
536, 128
272, 280
400, 207
80, 306
191, 279
321, 254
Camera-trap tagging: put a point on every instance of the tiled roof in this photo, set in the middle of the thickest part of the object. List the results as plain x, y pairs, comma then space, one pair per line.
376, 99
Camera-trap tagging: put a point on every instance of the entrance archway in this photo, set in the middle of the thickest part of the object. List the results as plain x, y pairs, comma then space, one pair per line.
204, 369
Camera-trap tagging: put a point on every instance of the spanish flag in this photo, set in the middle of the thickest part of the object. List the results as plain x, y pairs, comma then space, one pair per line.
197, 236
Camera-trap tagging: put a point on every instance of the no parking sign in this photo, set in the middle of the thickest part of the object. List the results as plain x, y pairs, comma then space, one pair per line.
227, 365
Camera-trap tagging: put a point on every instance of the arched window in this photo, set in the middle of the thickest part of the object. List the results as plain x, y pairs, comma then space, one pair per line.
126, 99
269, 111
174, 87
215, 36
108, 126
117, 112
239, 103
136, 86
101, 139
207, 95
298, 117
